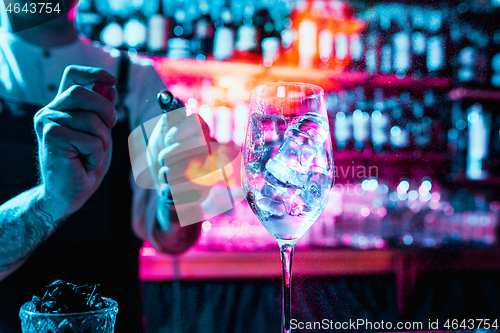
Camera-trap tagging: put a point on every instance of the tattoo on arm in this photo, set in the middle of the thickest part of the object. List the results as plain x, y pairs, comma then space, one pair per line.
23, 226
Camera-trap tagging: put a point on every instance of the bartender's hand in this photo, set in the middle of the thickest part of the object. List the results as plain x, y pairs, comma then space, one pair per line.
182, 159
74, 138
176, 143
179, 153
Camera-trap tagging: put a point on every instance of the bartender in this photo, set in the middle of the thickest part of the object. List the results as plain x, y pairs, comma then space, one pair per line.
60, 175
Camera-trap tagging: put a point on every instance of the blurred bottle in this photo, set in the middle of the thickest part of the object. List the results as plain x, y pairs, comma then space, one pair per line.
418, 42
401, 43
289, 34
246, 47
88, 20
470, 61
223, 125
343, 123
399, 136
112, 33
373, 40
457, 139
307, 36
361, 121
463, 55
338, 16
386, 44
479, 123
436, 63
268, 40
357, 53
237, 8
158, 27
263, 25
202, 43
135, 32
495, 60
379, 122
341, 47
440, 115
422, 134
326, 38
406, 101
179, 43
224, 35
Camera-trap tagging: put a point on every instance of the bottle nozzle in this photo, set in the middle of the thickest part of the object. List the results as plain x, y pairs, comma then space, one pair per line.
165, 99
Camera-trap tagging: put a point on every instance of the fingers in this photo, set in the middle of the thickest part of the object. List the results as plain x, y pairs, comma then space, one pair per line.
81, 121
161, 174
185, 137
166, 151
190, 127
105, 91
170, 135
71, 144
81, 75
80, 98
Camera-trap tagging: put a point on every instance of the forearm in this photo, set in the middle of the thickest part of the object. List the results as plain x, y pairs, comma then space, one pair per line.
24, 225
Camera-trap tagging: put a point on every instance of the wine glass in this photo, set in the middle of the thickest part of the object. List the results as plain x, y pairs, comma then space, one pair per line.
287, 166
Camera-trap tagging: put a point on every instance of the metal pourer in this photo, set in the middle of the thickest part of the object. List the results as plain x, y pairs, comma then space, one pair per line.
165, 99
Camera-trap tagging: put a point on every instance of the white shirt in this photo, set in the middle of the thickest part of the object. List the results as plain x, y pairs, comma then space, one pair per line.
32, 74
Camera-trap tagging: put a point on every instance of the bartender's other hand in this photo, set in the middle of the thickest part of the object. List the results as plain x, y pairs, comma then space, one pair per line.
74, 138
178, 149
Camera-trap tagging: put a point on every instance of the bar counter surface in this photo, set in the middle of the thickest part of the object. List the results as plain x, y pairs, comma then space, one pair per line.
200, 265
405, 264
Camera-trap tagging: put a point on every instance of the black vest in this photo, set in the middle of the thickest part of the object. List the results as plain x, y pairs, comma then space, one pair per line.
94, 245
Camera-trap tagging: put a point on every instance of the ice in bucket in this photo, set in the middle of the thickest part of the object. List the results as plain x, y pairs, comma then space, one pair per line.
66, 307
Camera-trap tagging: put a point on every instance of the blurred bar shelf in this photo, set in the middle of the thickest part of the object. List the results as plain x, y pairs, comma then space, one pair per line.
477, 94
220, 265
376, 157
193, 70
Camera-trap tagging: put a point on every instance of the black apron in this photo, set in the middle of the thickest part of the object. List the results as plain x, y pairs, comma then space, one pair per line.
94, 245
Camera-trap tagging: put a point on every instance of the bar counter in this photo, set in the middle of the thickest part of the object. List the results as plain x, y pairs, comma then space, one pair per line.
200, 265
405, 264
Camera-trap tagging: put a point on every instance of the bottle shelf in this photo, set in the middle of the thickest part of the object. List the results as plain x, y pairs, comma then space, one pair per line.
393, 156
477, 94
258, 74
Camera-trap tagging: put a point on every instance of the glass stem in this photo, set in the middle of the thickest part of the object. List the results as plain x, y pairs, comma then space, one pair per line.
286, 297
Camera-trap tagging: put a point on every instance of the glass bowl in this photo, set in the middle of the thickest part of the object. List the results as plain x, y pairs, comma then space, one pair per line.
99, 321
